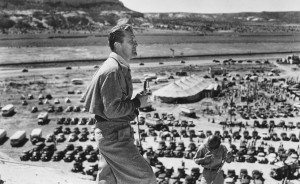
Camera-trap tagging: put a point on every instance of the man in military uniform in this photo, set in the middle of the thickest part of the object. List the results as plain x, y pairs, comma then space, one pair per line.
211, 156
109, 98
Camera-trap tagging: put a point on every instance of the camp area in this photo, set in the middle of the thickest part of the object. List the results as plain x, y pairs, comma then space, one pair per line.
255, 114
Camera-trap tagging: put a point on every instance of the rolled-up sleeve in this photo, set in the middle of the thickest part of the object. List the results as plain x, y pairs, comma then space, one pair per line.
115, 103
198, 158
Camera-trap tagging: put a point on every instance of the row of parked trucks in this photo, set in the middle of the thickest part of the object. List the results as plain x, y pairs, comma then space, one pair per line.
9, 110
19, 137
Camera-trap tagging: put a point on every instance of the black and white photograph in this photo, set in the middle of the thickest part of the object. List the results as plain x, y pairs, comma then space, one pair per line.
149, 91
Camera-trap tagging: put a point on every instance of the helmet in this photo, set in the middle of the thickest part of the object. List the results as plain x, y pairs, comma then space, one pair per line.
213, 141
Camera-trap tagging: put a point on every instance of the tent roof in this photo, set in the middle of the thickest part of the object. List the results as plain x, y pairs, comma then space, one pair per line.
185, 87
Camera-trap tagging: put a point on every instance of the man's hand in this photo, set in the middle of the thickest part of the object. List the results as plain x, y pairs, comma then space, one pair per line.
229, 157
207, 159
143, 99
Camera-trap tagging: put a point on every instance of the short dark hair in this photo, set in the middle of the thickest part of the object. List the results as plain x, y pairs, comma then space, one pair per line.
214, 141
117, 34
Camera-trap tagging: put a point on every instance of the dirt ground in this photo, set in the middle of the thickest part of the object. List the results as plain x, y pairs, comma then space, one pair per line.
57, 82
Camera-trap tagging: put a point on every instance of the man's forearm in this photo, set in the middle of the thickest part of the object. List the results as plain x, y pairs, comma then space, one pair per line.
199, 161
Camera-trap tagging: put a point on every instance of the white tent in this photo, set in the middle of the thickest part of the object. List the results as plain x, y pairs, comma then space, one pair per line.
186, 89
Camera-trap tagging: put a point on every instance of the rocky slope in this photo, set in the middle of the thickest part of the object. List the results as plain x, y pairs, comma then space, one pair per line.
65, 16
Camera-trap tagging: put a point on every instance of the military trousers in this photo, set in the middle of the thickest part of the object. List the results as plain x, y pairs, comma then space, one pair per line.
212, 177
120, 161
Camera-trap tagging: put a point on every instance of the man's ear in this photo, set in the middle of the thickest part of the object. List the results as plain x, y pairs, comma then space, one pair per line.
117, 45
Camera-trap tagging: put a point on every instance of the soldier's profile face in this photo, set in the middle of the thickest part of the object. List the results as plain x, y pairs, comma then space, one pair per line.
129, 45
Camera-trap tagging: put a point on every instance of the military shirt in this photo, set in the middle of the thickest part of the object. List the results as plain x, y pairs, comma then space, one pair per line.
217, 156
110, 91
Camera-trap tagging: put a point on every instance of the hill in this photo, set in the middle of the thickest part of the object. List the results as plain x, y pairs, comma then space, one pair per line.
234, 22
48, 5
282, 17
23, 16
65, 16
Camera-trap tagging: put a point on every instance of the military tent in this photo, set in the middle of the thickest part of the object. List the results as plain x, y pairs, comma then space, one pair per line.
187, 90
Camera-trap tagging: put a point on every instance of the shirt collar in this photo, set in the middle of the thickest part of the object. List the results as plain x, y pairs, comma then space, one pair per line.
119, 59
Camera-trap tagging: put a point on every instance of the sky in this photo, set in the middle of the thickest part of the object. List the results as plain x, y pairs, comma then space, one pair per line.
211, 6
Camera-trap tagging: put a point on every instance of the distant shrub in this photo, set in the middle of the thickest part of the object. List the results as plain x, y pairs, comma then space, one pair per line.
39, 25
6, 23
38, 15
22, 25
112, 18
76, 20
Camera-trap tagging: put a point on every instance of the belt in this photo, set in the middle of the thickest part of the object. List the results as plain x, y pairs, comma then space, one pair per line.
121, 135
108, 127
211, 169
